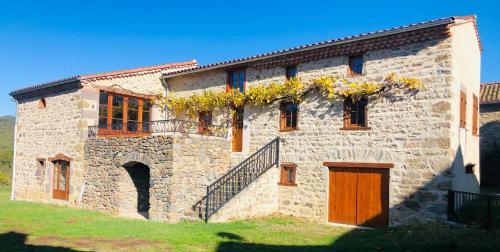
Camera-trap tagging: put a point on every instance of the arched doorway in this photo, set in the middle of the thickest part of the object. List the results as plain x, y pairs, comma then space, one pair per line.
133, 190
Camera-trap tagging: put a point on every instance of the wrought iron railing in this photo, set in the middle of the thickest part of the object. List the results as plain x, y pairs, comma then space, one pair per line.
234, 181
164, 126
475, 209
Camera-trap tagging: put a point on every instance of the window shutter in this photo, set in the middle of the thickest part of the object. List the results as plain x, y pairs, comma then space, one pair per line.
463, 106
475, 115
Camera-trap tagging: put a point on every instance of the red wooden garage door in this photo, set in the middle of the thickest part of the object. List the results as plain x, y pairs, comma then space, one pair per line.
358, 195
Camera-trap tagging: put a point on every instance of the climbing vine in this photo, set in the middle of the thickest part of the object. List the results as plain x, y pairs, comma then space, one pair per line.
293, 90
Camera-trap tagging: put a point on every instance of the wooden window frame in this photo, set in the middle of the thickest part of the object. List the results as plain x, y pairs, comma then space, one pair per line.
229, 83
285, 168
475, 115
350, 71
287, 69
463, 109
283, 117
109, 131
203, 126
348, 103
56, 192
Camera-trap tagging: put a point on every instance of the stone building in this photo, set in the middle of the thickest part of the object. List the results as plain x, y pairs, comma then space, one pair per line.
490, 134
391, 165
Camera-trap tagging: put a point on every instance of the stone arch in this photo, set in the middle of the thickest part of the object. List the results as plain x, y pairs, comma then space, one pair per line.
133, 189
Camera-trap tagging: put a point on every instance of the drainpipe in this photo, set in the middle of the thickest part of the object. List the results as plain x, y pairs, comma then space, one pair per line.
165, 86
13, 194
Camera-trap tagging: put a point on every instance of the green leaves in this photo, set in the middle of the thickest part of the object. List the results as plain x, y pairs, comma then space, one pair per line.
294, 89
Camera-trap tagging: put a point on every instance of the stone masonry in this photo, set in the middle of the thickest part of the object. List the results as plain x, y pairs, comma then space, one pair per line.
490, 144
180, 168
412, 132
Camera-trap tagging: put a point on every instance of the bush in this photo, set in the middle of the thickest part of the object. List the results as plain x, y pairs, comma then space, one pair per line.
4, 179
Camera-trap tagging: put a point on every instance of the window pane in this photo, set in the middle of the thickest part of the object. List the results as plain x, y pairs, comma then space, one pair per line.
62, 176
356, 64
146, 105
103, 98
117, 101
291, 72
103, 123
117, 113
133, 115
291, 115
361, 118
117, 124
133, 103
146, 116
354, 118
289, 174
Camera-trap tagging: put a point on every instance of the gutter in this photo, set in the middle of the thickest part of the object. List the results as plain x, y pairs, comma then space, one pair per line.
292, 51
13, 193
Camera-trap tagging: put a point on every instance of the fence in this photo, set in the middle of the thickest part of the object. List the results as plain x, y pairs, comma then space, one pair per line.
474, 209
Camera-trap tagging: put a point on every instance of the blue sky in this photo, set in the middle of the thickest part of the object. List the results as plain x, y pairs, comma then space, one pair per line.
47, 40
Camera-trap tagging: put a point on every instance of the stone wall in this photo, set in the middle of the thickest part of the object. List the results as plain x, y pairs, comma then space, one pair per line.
412, 132
181, 166
490, 144
43, 133
106, 158
197, 162
259, 199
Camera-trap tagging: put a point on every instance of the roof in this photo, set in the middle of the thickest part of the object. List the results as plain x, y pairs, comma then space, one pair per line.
47, 88
490, 92
147, 69
355, 39
75, 81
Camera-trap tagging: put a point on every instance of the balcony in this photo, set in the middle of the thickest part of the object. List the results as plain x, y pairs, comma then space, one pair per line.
156, 128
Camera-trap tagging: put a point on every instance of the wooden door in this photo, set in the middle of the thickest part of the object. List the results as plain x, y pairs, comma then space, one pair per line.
372, 198
359, 196
343, 196
237, 130
61, 180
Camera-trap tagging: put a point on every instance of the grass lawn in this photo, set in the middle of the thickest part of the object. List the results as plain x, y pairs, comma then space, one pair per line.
28, 226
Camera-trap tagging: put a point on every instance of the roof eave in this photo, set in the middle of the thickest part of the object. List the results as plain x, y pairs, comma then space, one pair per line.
21, 93
445, 21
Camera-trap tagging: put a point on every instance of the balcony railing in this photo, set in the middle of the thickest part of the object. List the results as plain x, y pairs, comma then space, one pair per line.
148, 128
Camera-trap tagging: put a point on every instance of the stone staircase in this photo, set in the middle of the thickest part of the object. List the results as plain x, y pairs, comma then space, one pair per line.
237, 179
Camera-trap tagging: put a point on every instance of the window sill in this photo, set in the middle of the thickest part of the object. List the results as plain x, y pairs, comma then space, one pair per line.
353, 75
286, 184
288, 130
355, 128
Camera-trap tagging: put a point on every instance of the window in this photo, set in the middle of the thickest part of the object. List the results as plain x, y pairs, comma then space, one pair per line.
40, 169
463, 106
236, 80
291, 72
355, 114
475, 115
120, 113
61, 179
355, 65
205, 120
103, 109
288, 174
42, 103
40, 163
289, 116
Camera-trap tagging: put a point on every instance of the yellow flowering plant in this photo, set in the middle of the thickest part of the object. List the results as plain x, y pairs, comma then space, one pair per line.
331, 87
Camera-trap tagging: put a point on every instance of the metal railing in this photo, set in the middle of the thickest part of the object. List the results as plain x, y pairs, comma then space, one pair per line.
164, 126
238, 178
475, 209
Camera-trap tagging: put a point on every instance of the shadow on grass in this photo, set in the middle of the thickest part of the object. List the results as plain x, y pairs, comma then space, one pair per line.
13, 241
